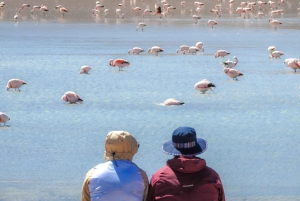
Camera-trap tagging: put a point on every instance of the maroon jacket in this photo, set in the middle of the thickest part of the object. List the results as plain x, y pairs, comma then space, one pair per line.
186, 179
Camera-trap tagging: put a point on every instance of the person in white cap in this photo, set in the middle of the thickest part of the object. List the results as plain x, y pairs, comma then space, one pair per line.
185, 177
118, 178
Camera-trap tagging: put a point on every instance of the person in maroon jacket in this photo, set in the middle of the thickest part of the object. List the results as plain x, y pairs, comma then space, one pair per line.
185, 177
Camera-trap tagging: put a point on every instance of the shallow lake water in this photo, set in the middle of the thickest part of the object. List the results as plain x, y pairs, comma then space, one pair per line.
251, 125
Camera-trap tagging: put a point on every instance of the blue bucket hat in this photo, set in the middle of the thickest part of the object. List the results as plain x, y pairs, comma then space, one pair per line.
185, 143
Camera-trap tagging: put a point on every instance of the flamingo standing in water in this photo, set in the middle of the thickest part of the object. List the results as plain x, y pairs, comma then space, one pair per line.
172, 101
44, 9
275, 23
71, 97
204, 85
158, 11
233, 73
62, 10
141, 25
85, 69
121, 63
199, 45
183, 49
3, 118
271, 49
147, 12
212, 23
15, 84
135, 50
35, 8
221, 53
230, 64
136, 10
155, 50
276, 54
24, 6
196, 18
293, 63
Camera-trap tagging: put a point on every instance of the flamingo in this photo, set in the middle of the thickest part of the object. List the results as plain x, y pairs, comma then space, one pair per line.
233, 73
85, 69
260, 15
170, 9
172, 101
230, 64
119, 14
212, 23
35, 8
183, 3
71, 97
121, 63
106, 12
199, 45
44, 9
147, 12
155, 50
2, 4
193, 50
292, 63
15, 84
141, 25
276, 54
62, 10
271, 49
24, 6
221, 53
196, 18
136, 10
158, 11
183, 49
261, 4
16, 16
135, 50
3, 118
204, 85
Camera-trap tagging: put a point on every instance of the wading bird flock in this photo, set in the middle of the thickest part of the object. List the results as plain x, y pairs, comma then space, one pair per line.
163, 10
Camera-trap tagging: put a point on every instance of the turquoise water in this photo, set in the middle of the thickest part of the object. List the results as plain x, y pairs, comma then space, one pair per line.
251, 125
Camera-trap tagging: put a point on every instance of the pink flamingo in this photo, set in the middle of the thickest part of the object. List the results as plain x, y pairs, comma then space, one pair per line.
199, 45
193, 50
135, 50
293, 63
15, 84
276, 54
233, 73
141, 25
212, 23
3, 118
183, 49
71, 97
155, 50
147, 12
24, 6
230, 64
172, 101
35, 8
158, 11
44, 9
271, 49
62, 10
221, 53
136, 10
121, 63
204, 85
196, 18
85, 69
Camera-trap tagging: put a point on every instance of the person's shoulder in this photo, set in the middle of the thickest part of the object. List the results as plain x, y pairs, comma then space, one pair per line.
212, 171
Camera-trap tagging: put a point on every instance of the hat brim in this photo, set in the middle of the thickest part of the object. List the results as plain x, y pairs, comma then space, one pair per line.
200, 147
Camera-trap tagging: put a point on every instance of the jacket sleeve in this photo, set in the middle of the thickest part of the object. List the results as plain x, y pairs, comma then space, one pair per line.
221, 192
146, 182
85, 196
